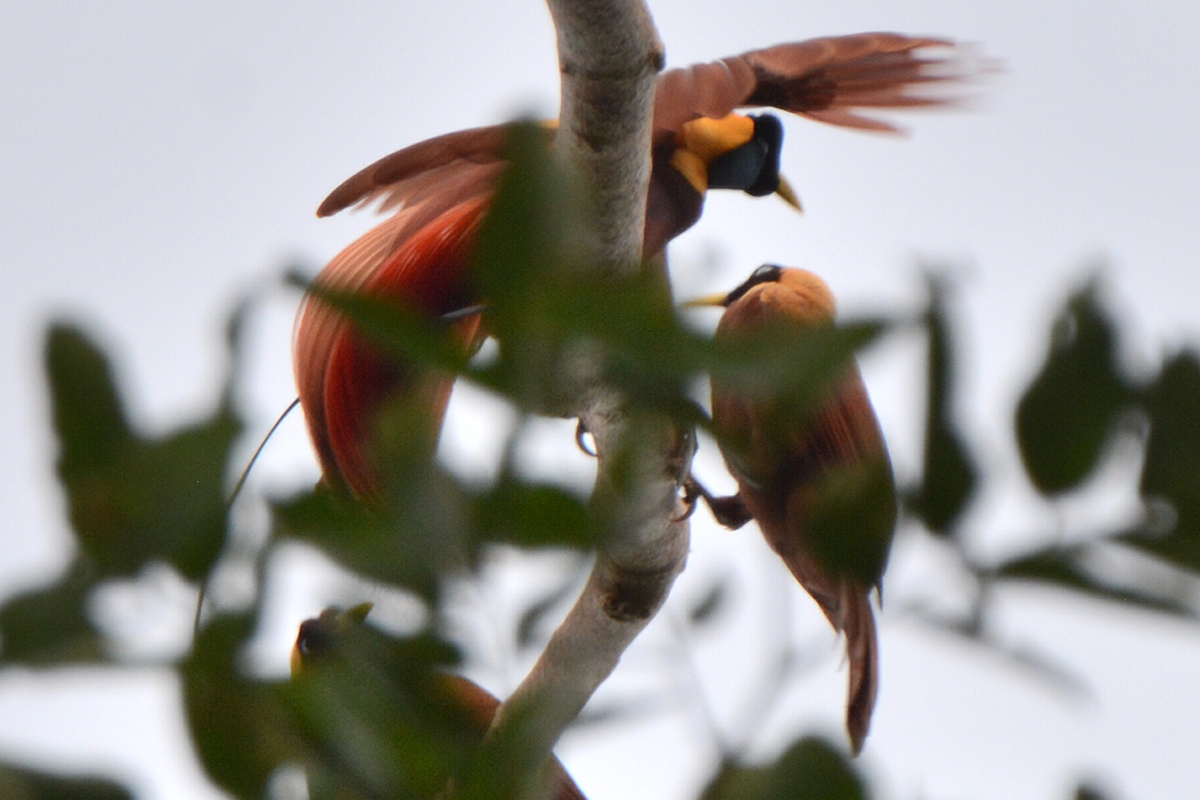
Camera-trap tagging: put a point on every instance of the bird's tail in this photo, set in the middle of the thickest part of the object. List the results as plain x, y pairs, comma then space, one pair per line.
857, 621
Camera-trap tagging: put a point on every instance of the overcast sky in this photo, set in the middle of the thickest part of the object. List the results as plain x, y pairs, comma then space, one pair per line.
158, 160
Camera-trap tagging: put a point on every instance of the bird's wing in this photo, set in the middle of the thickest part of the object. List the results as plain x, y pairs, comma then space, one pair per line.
409, 175
378, 256
828, 79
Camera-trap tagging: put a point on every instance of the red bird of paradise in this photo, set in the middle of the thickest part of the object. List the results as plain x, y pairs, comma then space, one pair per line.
791, 468
440, 190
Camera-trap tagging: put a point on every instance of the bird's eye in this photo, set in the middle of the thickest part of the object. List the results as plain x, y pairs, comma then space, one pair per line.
764, 274
767, 273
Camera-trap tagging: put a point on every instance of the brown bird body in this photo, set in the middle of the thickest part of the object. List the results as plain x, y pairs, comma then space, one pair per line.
785, 466
439, 189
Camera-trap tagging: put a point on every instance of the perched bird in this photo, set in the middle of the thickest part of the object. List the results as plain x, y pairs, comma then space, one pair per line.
460, 699
818, 480
441, 188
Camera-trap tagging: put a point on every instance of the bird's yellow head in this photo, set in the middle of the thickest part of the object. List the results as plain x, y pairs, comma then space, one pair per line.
734, 152
806, 286
319, 635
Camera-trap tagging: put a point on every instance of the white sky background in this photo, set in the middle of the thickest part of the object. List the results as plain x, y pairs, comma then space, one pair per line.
156, 161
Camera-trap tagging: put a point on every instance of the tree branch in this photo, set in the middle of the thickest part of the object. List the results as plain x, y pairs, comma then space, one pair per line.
609, 57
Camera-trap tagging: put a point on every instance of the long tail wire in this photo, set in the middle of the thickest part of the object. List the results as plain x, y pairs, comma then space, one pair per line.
233, 496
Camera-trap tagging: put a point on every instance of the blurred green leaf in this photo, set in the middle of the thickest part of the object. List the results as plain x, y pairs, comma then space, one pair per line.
380, 717
49, 626
525, 261
134, 499
418, 538
810, 768
711, 604
88, 414
642, 347
242, 729
949, 476
792, 367
1171, 469
397, 328
22, 783
510, 763
425, 523
788, 373
531, 515
389, 736
409, 546
532, 618
1087, 791
1067, 415
853, 520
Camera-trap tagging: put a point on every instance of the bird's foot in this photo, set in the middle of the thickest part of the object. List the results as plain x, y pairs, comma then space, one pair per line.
729, 512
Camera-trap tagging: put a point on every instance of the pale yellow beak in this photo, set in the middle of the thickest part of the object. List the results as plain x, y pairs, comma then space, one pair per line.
706, 300
788, 194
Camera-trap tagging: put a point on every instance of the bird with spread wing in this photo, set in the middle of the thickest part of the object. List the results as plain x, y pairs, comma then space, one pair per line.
440, 189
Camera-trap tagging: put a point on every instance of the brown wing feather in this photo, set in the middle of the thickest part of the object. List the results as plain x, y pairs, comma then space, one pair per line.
390, 176
824, 79
820, 78
319, 327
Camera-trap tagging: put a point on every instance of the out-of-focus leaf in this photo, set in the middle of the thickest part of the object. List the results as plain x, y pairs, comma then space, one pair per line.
88, 413
810, 768
1172, 465
1067, 568
134, 499
408, 548
853, 520
416, 529
642, 347
711, 604
788, 374
793, 368
508, 764
623, 710
533, 616
22, 783
369, 718
949, 475
1068, 413
396, 328
528, 515
430, 525
49, 626
1088, 791
382, 720
242, 729
528, 252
